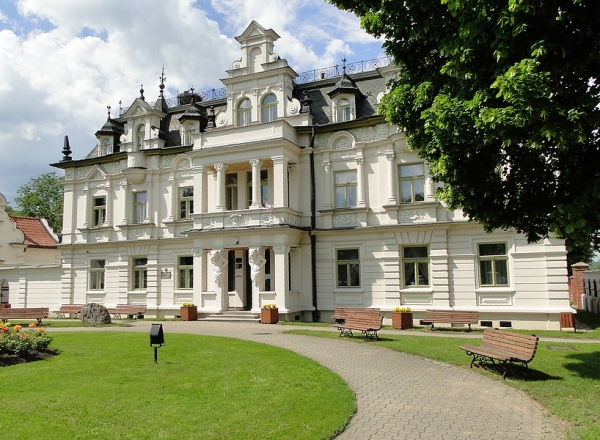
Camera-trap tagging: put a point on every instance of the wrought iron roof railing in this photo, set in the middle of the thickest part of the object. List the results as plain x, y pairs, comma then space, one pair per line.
303, 78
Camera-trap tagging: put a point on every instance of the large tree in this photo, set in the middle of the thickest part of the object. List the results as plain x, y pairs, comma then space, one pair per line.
42, 197
501, 98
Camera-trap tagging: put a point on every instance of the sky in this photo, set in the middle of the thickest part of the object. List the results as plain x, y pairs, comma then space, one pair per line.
62, 62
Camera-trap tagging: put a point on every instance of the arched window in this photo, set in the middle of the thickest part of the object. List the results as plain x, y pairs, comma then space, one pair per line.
343, 110
244, 112
190, 129
269, 108
141, 134
105, 147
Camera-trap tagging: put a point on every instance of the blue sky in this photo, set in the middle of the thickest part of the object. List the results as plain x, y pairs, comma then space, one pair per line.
63, 61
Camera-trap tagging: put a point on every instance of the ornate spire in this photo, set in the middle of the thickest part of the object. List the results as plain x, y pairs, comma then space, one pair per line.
193, 96
66, 150
162, 82
108, 107
120, 108
142, 92
344, 65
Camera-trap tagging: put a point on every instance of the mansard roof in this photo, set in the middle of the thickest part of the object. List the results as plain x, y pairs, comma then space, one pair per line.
111, 127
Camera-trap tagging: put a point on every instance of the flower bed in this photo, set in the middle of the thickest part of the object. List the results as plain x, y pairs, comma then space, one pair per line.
15, 340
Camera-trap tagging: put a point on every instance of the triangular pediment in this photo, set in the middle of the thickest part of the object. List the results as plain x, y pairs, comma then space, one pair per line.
96, 173
254, 30
138, 108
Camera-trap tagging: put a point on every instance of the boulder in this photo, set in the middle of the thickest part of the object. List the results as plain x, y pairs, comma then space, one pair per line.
93, 313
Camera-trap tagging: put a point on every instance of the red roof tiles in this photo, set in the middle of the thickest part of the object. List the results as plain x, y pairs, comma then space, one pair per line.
35, 232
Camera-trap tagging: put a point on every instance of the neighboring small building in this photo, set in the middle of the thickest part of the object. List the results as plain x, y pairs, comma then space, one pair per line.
30, 269
288, 189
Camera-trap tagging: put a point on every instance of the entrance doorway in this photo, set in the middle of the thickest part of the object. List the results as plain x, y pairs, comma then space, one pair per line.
4, 293
239, 285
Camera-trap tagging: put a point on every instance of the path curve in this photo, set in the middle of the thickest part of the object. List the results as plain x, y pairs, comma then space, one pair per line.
399, 396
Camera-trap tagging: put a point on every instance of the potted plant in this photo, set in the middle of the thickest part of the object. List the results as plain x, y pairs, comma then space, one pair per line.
189, 312
402, 318
269, 314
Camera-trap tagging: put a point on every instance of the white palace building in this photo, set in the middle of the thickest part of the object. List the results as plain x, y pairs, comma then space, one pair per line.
282, 189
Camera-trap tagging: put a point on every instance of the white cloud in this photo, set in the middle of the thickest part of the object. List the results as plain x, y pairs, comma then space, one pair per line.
64, 61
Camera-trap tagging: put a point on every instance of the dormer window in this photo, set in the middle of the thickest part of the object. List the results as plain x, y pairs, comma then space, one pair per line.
343, 110
190, 129
269, 108
140, 136
244, 113
105, 147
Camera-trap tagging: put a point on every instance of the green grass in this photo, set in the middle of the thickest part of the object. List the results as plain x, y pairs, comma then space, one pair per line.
106, 385
567, 383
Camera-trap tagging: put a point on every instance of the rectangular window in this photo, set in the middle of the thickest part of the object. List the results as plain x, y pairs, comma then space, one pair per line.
416, 266
345, 189
185, 271
99, 211
493, 264
348, 268
230, 271
186, 202
139, 275
140, 200
412, 183
97, 274
231, 191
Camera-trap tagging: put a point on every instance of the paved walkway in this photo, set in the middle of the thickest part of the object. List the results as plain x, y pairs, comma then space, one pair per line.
399, 396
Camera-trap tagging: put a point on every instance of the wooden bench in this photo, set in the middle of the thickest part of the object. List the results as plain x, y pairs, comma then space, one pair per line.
340, 314
368, 321
69, 309
37, 313
451, 317
134, 311
506, 347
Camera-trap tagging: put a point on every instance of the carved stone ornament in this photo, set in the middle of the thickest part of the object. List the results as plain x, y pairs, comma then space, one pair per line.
281, 248
197, 252
219, 263
266, 219
344, 220
293, 108
256, 262
237, 220
221, 119
93, 313
413, 215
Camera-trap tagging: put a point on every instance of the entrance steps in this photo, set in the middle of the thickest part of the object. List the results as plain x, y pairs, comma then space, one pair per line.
233, 316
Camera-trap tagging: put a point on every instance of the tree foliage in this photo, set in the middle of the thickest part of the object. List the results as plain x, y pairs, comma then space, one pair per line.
42, 197
501, 98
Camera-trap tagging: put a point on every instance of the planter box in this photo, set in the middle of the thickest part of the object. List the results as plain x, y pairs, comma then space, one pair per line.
269, 316
189, 313
402, 320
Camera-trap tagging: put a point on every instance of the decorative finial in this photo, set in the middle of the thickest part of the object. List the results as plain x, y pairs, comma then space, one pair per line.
162, 82
344, 64
66, 150
108, 107
142, 92
120, 108
193, 95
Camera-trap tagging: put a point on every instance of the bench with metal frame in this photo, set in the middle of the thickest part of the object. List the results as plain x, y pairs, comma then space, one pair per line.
37, 313
131, 310
368, 321
69, 309
451, 317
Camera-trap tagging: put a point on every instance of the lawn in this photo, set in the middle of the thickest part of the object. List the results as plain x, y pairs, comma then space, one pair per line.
106, 385
566, 375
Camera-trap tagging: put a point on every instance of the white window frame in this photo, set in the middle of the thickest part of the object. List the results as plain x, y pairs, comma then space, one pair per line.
185, 273
105, 147
345, 186
186, 203
347, 264
139, 273
495, 260
411, 180
415, 262
244, 112
98, 212
269, 108
97, 274
188, 134
140, 208
344, 110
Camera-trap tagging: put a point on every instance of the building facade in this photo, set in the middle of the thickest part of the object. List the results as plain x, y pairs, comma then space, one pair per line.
285, 191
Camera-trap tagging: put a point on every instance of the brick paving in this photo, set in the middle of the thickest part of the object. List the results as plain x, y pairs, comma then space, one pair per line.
399, 396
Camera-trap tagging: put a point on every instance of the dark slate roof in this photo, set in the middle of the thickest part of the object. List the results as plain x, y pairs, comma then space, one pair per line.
111, 127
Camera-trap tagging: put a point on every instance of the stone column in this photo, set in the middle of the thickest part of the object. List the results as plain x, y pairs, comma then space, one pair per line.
360, 185
199, 276
256, 164
221, 168
429, 185
174, 197
282, 274
392, 178
280, 181
149, 204
328, 182
87, 221
126, 206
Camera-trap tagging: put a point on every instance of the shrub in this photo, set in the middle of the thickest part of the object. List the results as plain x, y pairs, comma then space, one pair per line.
13, 340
